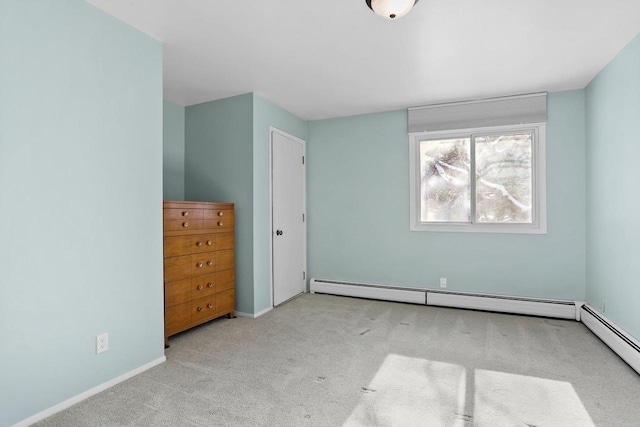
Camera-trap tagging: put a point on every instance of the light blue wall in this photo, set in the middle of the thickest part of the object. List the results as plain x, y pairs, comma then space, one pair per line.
613, 206
266, 114
358, 213
80, 202
218, 168
173, 151
227, 159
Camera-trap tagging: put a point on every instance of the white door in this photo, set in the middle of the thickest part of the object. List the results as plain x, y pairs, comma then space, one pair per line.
288, 210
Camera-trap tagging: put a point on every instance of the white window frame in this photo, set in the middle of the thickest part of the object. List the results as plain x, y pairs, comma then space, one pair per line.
539, 184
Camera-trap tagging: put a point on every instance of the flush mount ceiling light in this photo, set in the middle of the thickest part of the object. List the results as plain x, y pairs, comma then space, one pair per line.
391, 9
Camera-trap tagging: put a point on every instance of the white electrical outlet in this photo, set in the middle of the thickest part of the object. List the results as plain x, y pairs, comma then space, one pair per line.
102, 343
443, 282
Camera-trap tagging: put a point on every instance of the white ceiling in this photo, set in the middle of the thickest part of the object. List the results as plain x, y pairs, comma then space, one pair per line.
331, 58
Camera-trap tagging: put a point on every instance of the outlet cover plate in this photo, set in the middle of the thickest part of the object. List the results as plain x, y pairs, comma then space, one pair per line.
102, 343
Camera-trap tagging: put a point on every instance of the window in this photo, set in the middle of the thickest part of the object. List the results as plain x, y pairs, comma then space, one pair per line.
488, 179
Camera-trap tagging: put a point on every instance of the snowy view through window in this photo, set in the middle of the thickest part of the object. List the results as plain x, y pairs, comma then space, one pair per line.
503, 179
446, 188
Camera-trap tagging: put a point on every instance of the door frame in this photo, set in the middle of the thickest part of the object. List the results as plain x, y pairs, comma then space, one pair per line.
273, 130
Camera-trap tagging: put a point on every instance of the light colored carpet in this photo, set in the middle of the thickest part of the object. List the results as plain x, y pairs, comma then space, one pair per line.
322, 360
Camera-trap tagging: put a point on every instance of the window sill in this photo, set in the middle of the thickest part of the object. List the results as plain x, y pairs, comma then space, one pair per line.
481, 228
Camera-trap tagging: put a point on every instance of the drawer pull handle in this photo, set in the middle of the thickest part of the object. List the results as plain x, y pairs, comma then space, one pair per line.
209, 263
210, 285
199, 265
209, 306
198, 243
199, 287
209, 242
199, 308
185, 213
185, 224
220, 223
220, 213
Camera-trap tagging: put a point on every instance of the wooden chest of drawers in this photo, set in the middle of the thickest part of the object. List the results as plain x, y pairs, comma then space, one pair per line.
199, 273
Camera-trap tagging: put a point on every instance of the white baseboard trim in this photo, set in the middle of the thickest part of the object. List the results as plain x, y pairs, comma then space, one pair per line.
85, 395
260, 313
254, 316
623, 344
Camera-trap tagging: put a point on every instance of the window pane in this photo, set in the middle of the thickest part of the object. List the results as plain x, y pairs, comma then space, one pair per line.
444, 180
504, 178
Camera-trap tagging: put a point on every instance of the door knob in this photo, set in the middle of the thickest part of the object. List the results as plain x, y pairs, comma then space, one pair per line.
278, 232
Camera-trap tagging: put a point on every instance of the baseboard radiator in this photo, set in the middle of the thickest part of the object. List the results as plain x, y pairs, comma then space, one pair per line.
500, 303
623, 344
505, 304
367, 290
627, 347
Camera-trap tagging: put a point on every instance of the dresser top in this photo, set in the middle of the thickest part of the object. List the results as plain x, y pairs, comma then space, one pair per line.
177, 204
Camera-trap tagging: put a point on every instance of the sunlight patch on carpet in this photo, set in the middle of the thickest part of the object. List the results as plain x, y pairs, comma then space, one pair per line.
526, 401
408, 391
417, 392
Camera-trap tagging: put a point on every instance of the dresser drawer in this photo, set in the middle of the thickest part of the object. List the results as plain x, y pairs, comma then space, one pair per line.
183, 214
225, 301
217, 214
177, 268
182, 224
203, 263
203, 308
203, 285
212, 219
225, 280
224, 259
177, 319
177, 292
199, 243
174, 246
202, 243
224, 241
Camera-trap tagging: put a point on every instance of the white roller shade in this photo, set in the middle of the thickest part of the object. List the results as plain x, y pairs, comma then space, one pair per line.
512, 110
